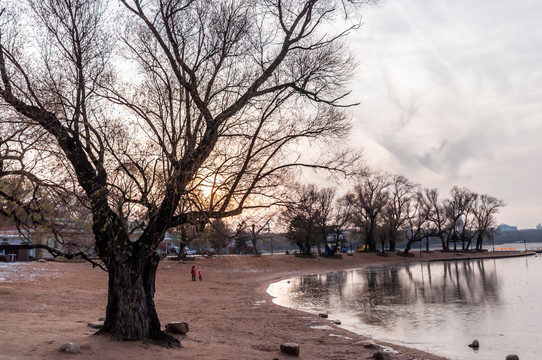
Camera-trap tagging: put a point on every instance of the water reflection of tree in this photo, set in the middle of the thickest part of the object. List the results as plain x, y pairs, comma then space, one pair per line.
321, 290
465, 283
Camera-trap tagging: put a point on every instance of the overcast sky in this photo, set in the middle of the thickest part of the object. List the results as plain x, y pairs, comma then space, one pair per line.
451, 94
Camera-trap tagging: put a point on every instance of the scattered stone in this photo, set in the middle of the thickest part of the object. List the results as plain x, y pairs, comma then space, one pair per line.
70, 348
371, 346
388, 350
323, 315
177, 327
290, 348
42, 260
214, 288
167, 267
512, 357
101, 319
337, 322
379, 355
475, 344
96, 324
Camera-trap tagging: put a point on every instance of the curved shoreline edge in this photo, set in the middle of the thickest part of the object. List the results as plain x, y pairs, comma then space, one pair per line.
441, 257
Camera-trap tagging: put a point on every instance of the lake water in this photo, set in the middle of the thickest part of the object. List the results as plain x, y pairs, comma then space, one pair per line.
439, 307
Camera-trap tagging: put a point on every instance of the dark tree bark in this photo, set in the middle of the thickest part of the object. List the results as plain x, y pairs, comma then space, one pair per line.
370, 242
135, 319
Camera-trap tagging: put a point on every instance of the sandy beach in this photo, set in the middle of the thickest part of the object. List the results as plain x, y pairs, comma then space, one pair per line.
230, 315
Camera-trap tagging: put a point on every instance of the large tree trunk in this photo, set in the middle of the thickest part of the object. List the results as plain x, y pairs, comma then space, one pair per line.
444, 241
408, 247
304, 247
392, 240
370, 243
131, 312
183, 243
371, 237
392, 245
479, 242
382, 241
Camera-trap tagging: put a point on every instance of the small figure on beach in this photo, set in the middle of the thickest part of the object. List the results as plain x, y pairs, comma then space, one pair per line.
193, 272
200, 277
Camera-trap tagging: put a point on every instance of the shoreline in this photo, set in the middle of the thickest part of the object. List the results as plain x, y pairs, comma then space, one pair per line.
230, 314
411, 260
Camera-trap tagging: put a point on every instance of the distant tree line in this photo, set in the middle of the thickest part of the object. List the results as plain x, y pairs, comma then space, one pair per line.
517, 236
385, 208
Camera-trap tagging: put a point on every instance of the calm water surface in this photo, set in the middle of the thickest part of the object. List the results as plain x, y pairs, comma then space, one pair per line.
439, 307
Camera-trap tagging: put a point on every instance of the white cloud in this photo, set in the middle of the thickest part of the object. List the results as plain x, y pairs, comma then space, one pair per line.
451, 94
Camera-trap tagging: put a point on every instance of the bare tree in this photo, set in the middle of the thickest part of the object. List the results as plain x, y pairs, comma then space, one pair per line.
18, 192
463, 217
467, 229
437, 220
325, 208
401, 193
417, 217
306, 215
209, 119
28, 202
457, 208
341, 215
252, 228
484, 210
369, 197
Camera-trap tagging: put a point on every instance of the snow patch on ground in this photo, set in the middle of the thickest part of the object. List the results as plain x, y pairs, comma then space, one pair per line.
321, 327
19, 271
245, 270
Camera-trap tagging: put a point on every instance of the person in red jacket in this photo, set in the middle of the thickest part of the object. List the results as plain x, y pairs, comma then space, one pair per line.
193, 272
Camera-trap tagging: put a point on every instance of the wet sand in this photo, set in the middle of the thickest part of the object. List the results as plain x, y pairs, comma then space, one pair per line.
230, 315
